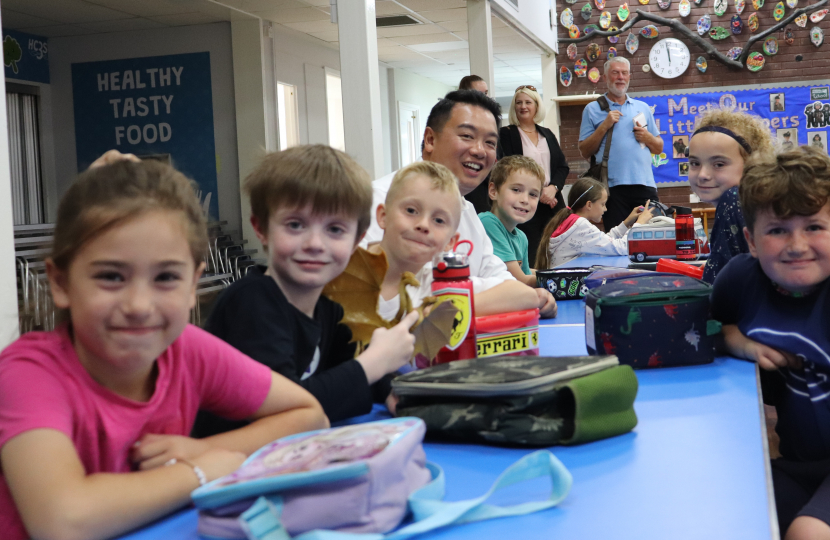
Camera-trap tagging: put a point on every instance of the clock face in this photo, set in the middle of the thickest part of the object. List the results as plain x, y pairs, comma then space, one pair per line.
669, 58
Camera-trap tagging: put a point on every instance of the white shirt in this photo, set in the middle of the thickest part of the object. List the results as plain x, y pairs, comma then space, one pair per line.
583, 238
486, 270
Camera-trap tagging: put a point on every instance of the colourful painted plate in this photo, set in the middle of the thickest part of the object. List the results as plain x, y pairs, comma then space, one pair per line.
817, 36
600, 4
755, 62
612, 52
704, 24
778, 12
698, 2
566, 18
734, 53
801, 21
771, 46
816, 16
572, 51
565, 76
593, 75
685, 8
644, 2
604, 20
586, 11
701, 64
573, 31
623, 12
613, 39
753, 22
581, 67
649, 32
664, 4
757, 4
740, 5
590, 28
789, 37
720, 7
719, 32
592, 52
792, 3
737, 24
632, 43
571, 1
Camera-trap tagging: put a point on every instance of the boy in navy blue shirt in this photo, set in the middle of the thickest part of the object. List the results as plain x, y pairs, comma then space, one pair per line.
775, 307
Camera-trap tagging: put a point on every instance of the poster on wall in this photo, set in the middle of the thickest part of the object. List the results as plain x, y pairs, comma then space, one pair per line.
796, 116
25, 56
157, 106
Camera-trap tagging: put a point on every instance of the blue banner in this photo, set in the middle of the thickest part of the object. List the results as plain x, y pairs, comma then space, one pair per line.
795, 115
159, 106
25, 56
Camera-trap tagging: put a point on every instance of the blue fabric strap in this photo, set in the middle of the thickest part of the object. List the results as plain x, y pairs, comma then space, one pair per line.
263, 520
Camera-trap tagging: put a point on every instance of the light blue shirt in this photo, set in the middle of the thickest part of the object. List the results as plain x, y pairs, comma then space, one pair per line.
628, 164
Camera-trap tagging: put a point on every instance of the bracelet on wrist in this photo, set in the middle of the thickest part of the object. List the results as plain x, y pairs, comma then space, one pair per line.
200, 474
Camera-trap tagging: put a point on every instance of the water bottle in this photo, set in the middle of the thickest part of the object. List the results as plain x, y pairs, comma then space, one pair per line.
451, 279
684, 230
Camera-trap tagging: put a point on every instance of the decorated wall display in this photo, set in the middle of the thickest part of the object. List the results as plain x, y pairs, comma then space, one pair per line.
156, 105
795, 115
25, 56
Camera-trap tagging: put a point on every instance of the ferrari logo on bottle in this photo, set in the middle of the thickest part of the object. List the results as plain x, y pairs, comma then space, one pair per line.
460, 298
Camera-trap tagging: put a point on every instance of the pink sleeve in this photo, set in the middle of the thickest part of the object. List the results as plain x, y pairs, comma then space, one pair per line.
31, 397
232, 385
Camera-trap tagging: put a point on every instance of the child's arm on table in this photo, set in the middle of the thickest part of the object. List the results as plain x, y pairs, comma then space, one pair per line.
768, 358
516, 269
58, 500
513, 296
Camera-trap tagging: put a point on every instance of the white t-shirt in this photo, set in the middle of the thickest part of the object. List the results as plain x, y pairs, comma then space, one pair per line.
387, 309
486, 270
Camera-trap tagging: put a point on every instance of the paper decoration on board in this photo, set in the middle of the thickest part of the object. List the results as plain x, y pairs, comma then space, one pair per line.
565, 76
585, 12
566, 18
755, 61
664, 4
632, 43
789, 37
817, 16
720, 7
719, 32
590, 28
573, 31
740, 5
734, 53
592, 52
623, 12
593, 75
649, 31
600, 4
701, 64
771, 46
757, 4
612, 52
613, 39
792, 4
659, 159
801, 20
817, 36
685, 8
581, 67
604, 20
753, 22
572, 51
737, 25
704, 24
778, 12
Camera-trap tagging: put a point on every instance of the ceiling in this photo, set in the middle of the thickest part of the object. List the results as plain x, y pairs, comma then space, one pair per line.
436, 49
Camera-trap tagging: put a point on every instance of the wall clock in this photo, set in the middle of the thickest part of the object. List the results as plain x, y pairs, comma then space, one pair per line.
669, 58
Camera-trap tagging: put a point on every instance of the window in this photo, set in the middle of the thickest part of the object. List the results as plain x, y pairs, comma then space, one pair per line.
658, 234
334, 108
669, 234
287, 115
637, 236
647, 235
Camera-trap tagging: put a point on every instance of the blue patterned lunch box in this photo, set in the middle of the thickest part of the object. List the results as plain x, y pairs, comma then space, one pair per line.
564, 283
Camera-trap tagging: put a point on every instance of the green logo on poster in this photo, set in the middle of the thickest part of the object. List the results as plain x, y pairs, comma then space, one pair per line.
822, 92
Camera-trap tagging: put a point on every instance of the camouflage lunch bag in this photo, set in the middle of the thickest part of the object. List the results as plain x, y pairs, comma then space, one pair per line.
522, 400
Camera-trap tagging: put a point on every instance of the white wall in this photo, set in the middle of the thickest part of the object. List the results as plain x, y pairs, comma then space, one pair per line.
214, 38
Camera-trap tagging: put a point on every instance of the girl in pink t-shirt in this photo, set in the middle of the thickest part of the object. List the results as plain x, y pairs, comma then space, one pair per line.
94, 416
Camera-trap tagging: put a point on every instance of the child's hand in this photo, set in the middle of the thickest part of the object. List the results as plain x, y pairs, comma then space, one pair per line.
389, 349
547, 305
155, 450
771, 359
640, 214
392, 402
218, 462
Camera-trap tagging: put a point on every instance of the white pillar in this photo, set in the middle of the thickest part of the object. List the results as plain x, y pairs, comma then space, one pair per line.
360, 83
550, 91
480, 38
249, 96
9, 323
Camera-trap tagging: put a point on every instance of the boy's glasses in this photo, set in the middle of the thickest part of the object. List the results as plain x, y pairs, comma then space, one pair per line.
528, 86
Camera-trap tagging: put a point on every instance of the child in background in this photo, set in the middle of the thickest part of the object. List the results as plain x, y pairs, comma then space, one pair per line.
419, 220
310, 207
515, 185
93, 415
775, 306
572, 232
724, 140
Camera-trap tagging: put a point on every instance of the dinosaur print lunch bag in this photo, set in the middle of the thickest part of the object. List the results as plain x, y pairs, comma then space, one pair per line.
657, 320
